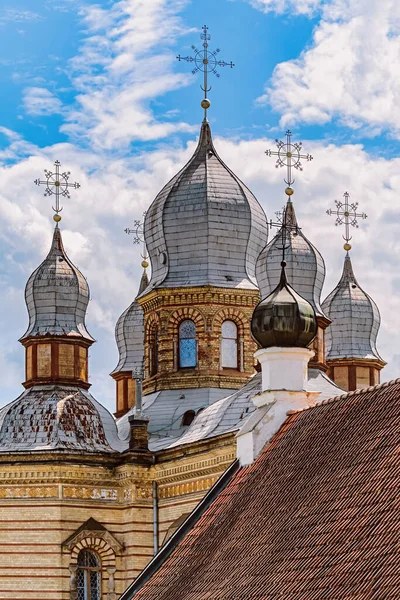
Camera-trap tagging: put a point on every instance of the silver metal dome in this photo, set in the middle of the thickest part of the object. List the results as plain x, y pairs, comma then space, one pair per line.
305, 267
57, 295
355, 319
129, 334
205, 226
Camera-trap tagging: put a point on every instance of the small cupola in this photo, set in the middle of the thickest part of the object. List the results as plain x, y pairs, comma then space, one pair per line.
284, 318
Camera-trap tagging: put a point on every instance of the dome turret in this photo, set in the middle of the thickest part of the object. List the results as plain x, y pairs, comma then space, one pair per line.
355, 319
205, 227
129, 334
57, 295
284, 319
305, 268
351, 352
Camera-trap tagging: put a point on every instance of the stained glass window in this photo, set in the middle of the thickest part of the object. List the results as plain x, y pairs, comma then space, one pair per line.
229, 345
187, 344
88, 577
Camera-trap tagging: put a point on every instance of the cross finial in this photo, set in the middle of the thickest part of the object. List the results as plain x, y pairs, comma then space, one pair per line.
207, 62
57, 184
285, 226
290, 156
138, 238
347, 215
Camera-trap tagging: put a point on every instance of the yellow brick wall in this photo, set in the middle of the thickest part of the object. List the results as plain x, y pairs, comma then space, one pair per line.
42, 505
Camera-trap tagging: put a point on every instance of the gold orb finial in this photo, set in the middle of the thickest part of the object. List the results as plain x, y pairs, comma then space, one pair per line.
57, 218
205, 103
289, 191
145, 264
347, 247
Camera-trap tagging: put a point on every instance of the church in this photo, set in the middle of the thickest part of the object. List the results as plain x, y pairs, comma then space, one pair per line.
88, 498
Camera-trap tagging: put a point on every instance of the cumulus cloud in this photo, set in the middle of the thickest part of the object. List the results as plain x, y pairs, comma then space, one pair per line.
349, 72
299, 7
41, 102
115, 189
121, 67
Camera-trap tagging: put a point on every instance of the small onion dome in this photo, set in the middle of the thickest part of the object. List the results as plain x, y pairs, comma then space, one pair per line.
284, 319
305, 270
56, 296
205, 227
129, 334
355, 319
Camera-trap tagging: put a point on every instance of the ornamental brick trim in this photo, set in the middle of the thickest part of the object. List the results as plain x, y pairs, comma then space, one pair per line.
102, 542
231, 314
181, 314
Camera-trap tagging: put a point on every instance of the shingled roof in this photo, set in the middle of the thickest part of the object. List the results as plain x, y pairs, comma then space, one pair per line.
316, 516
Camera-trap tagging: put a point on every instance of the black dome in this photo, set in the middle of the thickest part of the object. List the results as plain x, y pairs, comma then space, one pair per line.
284, 318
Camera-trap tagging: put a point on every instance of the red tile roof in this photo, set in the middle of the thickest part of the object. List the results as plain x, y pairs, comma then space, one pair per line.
316, 517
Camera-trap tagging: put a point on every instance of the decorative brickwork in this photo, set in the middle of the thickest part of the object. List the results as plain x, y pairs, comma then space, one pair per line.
208, 308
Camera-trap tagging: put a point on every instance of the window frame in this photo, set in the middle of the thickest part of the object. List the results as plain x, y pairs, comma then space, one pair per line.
153, 351
86, 575
180, 339
235, 340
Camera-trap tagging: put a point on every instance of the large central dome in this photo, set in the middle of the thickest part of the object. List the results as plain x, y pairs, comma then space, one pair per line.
205, 227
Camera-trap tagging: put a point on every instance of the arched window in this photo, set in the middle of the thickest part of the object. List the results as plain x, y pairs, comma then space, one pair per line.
88, 577
229, 345
153, 351
187, 418
187, 344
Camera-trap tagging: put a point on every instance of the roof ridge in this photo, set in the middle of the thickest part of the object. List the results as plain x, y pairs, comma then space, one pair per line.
357, 392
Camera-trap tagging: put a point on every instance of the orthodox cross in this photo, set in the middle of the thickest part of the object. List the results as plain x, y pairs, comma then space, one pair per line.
290, 156
57, 184
207, 62
347, 215
285, 228
138, 235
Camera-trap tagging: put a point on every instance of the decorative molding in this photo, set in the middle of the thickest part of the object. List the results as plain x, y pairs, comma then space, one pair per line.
89, 493
190, 487
29, 492
200, 468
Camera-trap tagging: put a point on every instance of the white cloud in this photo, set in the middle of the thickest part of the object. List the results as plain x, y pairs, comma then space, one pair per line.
349, 72
15, 15
299, 7
121, 68
116, 190
41, 102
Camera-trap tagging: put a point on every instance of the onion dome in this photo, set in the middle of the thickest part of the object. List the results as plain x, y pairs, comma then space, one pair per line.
284, 319
129, 334
205, 227
355, 319
57, 295
305, 268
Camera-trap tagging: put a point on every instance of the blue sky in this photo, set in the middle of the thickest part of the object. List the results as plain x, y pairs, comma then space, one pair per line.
97, 86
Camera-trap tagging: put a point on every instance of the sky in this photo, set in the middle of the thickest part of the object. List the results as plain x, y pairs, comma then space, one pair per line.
98, 87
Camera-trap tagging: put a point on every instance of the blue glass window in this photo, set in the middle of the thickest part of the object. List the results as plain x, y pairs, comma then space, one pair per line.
187, 344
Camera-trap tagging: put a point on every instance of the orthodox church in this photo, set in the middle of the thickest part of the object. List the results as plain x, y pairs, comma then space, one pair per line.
87, 499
